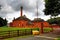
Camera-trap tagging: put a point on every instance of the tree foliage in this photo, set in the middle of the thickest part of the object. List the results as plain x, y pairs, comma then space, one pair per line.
54, 20
52, 7
3, 22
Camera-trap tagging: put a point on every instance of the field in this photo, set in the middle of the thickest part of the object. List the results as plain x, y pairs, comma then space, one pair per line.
58, 38
15, 28
3, 30
47, 29
14, 38
13, 31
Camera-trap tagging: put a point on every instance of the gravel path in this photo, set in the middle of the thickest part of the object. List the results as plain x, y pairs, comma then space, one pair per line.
33, 38
53, 34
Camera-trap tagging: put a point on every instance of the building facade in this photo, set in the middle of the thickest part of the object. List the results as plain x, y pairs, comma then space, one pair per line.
24, 22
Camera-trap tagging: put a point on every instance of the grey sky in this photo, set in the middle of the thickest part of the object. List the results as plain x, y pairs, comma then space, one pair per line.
11, 9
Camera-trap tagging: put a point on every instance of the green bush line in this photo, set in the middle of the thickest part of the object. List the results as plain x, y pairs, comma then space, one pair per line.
5, 30
12, 28
21, 29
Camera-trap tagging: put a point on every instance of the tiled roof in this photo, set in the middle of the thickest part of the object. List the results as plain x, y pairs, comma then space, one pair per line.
38, 20
22, 18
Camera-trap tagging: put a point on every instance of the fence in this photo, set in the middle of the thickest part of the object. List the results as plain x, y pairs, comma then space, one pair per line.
14, 33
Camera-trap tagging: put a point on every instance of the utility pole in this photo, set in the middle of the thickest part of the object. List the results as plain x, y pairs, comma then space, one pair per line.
37, 17
37, 8
0, 7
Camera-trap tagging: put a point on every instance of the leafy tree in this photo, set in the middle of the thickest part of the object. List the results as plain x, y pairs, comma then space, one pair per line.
3, 22
52, 7
54, 20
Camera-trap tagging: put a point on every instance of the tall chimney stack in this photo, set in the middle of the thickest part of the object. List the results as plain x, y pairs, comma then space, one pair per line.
21, 11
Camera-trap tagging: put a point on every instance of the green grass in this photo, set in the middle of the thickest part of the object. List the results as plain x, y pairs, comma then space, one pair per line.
11, 28
18, 37
58, 38
23, 29
47, 29
4, 30
15, 28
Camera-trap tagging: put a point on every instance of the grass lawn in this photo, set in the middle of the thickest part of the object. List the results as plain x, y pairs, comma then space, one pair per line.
11, 28
58, 38
47, 29
18, 37
15, 28
5, 30
23, 29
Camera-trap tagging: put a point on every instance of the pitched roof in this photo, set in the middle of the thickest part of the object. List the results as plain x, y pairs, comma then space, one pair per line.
22, 18
37, 20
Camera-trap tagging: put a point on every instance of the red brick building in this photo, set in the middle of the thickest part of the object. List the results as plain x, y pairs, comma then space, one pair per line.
21, 21
37, 23
24, 22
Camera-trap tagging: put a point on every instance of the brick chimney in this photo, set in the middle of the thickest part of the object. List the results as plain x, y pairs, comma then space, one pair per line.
21, 11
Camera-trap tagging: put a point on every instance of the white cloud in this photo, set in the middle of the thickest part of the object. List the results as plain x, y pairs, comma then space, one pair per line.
11, 9
7, 9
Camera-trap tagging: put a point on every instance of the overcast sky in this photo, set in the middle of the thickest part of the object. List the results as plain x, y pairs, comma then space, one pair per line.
11, 9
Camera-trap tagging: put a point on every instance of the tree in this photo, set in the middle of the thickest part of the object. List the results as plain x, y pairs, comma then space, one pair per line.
3, 22
54, 20
52, 7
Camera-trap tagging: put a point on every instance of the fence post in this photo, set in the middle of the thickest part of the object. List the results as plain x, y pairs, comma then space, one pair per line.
25, 32
9, 34
17, 32
31, 31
